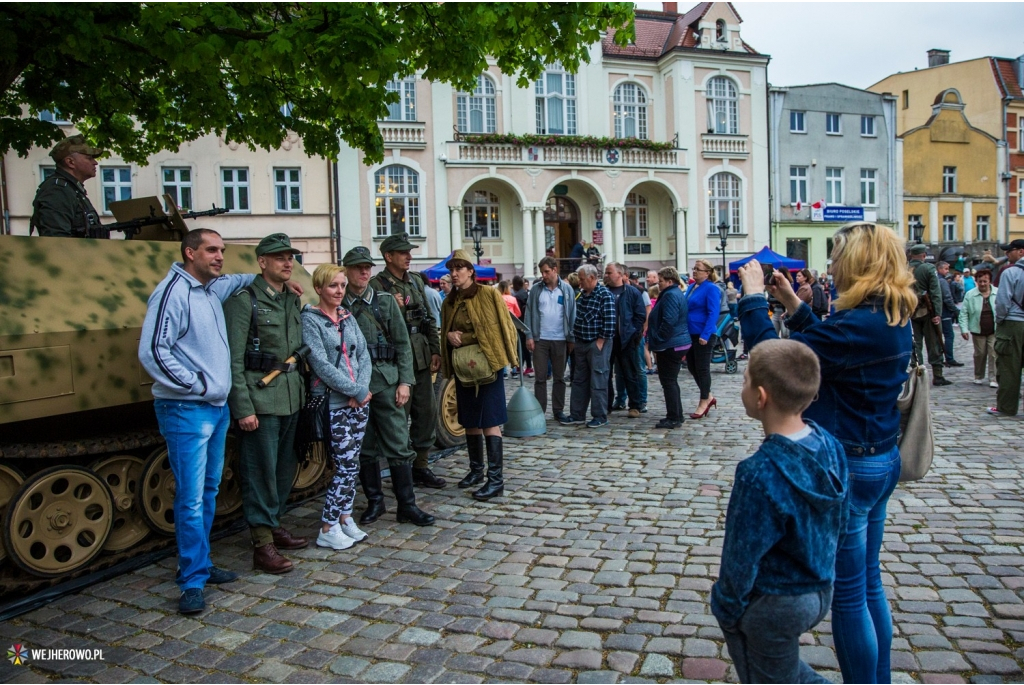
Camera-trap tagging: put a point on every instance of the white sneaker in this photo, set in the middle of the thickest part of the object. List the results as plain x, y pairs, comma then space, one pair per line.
979, 381
350, 529
993, 384
334, 538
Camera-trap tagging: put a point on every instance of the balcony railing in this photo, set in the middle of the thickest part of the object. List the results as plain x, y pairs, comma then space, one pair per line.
403, 134
719, 146
563, 155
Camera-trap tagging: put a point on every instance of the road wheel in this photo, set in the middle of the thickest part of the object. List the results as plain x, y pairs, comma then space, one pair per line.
229, 495
10, 480
156, 501
58, 521
449, 431
121, 473
311, 467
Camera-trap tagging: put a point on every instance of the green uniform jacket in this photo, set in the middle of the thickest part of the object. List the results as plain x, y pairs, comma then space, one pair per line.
62, 209
280, 333
416, 312
385, 374
927, 279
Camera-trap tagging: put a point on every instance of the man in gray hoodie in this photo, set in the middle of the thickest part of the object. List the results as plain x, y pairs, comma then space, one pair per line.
184, 348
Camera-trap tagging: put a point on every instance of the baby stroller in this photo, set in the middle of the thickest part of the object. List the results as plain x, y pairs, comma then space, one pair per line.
727, 336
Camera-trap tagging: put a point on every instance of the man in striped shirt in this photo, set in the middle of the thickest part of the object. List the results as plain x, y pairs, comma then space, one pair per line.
594, 330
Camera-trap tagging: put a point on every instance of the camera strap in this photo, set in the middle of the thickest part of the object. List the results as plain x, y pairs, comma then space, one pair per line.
254, 328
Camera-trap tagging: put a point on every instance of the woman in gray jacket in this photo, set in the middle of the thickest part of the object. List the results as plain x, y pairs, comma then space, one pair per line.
341, 364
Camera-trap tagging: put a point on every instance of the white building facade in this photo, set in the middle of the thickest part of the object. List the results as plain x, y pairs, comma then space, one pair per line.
686, 105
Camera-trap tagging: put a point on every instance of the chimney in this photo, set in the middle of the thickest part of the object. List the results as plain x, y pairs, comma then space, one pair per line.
670, 7
936, 58
1019, 68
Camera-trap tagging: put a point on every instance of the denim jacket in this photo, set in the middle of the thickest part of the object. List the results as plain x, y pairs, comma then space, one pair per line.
864, 364
787, 511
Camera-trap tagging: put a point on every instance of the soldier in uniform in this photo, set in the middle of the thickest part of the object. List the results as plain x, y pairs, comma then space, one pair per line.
264, 328
926, 326
387, 432
408, 291
61, 207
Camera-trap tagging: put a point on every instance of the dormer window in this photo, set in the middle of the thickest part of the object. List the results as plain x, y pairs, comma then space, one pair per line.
720, 30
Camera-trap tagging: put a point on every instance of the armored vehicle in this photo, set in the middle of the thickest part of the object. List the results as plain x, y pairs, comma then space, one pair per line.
84, 476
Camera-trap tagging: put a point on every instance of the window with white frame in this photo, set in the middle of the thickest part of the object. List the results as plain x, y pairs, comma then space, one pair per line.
116, 184
235, 182
797, 122
867, 126
869, 187
476, 111
630, 111
912, 221
177, 182
555, 92
833, 124
46, 171
723, 108
481, 207
405, 108
1020, 196
981, 228
949, 227
798, 184
397, 201
54, 116
834, 185
724, 202
287, 189
1020, 132
949, 179
636, 216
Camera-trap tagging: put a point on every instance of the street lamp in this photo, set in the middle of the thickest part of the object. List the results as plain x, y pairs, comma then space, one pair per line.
478, 233
723, 236
916, 232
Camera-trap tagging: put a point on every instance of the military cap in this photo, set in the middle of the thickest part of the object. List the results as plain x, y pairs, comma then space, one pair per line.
1017, 244
274, 243
919, 249
356, 256
398, 242
459, 256
72, 145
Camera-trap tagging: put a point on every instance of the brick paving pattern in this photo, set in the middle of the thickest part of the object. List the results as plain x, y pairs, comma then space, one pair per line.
595, 567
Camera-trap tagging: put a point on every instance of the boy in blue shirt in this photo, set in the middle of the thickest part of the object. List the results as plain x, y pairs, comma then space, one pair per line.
787, 510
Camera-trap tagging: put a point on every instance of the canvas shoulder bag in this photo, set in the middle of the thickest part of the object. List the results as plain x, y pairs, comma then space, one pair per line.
470, 364
916, 443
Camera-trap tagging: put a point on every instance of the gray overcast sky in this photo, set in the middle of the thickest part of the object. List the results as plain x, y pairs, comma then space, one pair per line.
859, 44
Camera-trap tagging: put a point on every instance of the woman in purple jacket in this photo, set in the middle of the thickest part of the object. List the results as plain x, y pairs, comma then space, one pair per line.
864, 351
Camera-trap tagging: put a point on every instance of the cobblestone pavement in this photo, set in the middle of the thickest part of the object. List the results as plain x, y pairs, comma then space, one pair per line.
594, 568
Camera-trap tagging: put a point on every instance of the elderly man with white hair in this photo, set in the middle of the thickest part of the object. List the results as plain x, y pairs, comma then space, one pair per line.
594, 330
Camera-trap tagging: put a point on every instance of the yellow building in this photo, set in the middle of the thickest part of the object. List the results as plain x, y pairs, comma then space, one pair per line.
990, 90
950, 179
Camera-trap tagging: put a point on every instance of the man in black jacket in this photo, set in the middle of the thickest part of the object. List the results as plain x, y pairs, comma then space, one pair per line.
949, 313
630, 318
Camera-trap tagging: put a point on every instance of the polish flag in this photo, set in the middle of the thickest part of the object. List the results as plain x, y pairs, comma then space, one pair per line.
798, 205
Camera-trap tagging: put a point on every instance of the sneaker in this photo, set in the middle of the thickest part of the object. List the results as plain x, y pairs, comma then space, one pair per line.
634, 413
597, 423
529, 373
334, 538
617, 407
993, 384
995, 412
515, 373
979, 381
191, 601
569, 420
643, 408
561, 417
219, 576
350, 529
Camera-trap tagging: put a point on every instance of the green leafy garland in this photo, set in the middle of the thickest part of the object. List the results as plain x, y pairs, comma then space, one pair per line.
594, 142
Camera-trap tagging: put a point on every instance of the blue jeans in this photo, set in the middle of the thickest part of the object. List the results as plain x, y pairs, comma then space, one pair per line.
195, 434
641, 376
947, 338
861, 621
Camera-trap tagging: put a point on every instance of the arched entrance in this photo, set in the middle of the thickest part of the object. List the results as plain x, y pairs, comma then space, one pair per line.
561, 228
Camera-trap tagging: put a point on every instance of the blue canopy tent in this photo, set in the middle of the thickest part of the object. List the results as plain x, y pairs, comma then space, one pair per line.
766, 256
434, 273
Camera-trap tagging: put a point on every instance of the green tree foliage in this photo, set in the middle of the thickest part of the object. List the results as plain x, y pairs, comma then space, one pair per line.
142, 77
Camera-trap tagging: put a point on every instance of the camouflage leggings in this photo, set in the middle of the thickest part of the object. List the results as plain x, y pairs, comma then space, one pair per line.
348, 426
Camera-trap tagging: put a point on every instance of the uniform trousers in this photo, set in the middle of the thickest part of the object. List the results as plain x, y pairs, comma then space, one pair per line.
1009, 357
267, 463
422, 408
387, 431
926, 333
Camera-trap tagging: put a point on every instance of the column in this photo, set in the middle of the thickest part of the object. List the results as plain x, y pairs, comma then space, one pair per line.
681, 251
538, 230
933, 222
618, 227
456, 227
608, 248
528, 262
968, 232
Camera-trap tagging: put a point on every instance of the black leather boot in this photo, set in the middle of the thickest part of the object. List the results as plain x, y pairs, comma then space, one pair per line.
495, 483
401, 483
475, 447
422, 475
369, 477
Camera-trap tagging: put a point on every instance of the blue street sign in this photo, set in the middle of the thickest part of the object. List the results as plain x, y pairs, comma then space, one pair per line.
600, 224
844, 214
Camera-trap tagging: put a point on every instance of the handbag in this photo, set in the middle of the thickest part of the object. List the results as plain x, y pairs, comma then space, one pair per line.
916, 443
471, 366
314, 425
